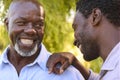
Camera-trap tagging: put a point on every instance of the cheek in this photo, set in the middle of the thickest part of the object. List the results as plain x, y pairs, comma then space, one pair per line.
40, 33
78, 33
14, 34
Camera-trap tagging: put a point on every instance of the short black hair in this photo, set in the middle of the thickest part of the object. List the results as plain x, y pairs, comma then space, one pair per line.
109, 8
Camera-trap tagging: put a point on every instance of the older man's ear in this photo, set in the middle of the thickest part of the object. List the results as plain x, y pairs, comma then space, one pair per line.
6, 22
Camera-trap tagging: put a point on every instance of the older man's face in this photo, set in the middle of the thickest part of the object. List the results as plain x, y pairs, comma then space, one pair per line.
25, 27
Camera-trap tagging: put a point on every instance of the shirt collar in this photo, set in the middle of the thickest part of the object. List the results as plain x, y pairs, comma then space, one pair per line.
41, 60
3, 57
112, 59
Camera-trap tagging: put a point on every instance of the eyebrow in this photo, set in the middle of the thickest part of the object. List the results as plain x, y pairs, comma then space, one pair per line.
20, 19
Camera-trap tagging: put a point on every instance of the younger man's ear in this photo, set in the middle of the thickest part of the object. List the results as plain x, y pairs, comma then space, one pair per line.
6, 22
96, 16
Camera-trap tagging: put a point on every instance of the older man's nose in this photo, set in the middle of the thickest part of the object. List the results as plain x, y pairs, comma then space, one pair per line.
29, 29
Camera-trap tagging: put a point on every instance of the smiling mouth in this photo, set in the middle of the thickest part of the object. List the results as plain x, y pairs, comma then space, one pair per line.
27, 41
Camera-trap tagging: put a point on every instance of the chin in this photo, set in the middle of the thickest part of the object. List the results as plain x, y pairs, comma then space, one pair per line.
89, 57
25, 53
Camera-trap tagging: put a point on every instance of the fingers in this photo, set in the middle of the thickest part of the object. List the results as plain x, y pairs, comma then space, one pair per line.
60, 68
50, 70
50, 65
64, 67
53, 64
57, 63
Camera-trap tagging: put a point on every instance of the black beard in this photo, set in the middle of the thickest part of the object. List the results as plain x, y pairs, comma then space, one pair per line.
89, 57
90, 50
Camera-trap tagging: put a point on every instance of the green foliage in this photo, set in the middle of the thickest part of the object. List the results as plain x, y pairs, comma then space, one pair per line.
57, 31
5, 4
4, 40
95, 65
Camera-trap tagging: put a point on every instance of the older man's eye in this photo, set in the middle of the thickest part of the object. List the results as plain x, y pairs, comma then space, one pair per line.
20, 23
38, 25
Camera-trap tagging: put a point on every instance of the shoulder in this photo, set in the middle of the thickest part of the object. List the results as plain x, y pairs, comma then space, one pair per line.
71, 73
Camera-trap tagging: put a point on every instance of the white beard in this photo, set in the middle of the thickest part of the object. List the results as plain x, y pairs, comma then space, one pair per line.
23, 53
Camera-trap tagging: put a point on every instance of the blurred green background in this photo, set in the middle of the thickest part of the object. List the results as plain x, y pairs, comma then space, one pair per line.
59, 35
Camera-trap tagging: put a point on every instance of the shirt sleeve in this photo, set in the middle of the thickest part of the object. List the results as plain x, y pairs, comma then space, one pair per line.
93, 76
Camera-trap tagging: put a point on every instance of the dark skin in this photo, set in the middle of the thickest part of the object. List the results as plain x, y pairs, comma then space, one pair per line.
97, 32
65, 59
26, 29
19, 62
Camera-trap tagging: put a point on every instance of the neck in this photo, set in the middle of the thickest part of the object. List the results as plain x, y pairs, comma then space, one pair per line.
106, 49
18, 61
109, 42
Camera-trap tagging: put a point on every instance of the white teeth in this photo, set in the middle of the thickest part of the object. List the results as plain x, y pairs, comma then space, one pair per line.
27, 41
